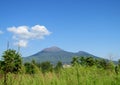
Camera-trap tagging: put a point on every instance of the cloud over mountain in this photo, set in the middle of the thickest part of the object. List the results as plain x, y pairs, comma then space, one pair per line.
24, 33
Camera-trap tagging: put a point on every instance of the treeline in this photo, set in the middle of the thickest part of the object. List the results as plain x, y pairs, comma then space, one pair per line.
12, 63
91, 61
33, 67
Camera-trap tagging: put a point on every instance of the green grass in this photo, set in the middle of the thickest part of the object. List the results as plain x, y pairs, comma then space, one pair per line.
78, 75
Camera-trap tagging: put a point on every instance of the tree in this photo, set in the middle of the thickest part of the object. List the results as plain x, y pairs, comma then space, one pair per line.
11, 62
110, 65
75, 61
31, 68
46, 66
83, 60
90, 61
117, 69
59, 66
33, 61
102, 63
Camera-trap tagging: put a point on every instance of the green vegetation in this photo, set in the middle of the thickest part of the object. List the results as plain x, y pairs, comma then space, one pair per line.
77, 75
83, 71
11, 63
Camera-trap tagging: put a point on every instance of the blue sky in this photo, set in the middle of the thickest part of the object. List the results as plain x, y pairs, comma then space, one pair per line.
73, 25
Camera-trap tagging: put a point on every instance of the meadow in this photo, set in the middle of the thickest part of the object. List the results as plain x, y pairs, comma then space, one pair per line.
77, 75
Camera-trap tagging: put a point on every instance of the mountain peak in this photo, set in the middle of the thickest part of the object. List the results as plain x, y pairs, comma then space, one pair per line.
52, 49
55, 54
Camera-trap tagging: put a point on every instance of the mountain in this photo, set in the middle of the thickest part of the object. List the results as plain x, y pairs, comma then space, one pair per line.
55, 54
52, 49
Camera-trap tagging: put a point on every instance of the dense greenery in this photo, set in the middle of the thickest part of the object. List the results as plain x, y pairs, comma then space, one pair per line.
11, 63
82, 71
77, 75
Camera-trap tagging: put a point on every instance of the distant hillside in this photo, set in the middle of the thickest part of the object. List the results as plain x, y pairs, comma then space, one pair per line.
55, 54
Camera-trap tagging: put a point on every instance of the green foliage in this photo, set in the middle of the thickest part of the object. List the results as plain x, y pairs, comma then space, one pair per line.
31, 68
102, 63
59, 66
83, 60
117, 69
75, 61
90, 61
67, 76
46, 67
119, 62
110, 65
12, 61
2, 64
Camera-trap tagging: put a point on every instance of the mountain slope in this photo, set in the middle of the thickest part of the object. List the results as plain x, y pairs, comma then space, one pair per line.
55, 54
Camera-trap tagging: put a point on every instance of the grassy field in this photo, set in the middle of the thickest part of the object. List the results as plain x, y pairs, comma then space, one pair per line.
78, 75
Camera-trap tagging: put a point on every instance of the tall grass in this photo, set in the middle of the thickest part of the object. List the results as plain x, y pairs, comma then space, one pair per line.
77, 75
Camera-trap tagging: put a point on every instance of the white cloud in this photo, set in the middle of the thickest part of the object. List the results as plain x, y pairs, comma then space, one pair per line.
1, 32
25, 33
39, 31
21, 43
21, 32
